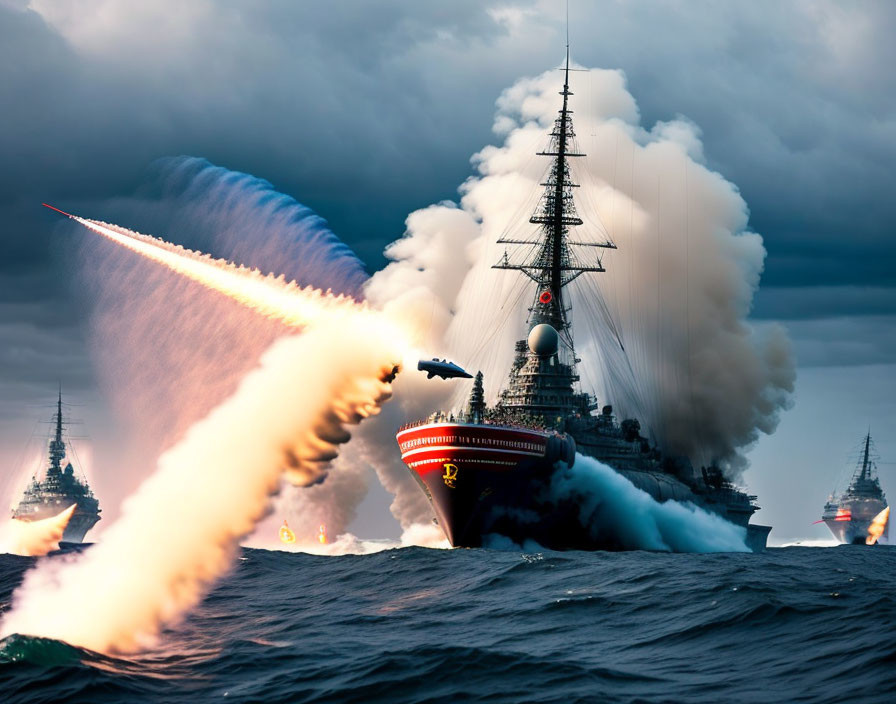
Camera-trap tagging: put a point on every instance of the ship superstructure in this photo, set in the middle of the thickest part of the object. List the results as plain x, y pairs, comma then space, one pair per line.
58, 489
849, 516
488, 470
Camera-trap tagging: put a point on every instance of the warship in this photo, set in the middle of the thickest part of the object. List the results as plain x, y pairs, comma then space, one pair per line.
487, 470
851, 515
59, 489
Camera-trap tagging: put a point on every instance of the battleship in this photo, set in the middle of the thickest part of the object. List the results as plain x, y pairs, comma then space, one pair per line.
487, 470
851, 515
59, 489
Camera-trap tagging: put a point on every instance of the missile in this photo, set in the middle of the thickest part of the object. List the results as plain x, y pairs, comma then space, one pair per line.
68, 215
442, 368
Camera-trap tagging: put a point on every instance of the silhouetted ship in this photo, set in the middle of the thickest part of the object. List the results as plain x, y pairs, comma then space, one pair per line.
59, 489
489, 471
850, 515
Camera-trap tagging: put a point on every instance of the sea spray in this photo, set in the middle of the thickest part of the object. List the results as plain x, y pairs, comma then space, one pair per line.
178, 533
613, 510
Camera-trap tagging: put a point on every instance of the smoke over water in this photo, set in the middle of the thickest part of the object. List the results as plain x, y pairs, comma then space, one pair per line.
664, 334
178, 532
168, 349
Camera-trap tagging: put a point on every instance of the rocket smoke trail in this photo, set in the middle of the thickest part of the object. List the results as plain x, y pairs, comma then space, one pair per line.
181, 348
268, 295
215, 484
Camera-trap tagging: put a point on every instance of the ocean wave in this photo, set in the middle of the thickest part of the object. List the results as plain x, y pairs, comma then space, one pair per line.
420, 625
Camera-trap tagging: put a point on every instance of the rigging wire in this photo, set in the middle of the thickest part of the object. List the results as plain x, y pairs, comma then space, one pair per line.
687, 282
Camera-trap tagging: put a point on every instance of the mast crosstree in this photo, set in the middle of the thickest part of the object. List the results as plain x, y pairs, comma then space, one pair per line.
553, 264
57, 444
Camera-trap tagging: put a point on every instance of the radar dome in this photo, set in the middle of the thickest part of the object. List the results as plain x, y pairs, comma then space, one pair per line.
543, 340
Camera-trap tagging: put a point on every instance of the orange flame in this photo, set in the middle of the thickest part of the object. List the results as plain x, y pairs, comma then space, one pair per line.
322, 534
878, 526
286, 534
34, 537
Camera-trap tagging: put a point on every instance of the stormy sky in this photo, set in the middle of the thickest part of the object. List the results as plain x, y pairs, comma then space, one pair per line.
366, 111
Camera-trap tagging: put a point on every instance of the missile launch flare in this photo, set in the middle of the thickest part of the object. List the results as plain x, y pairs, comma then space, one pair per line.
878, 526
286, 534
266, 294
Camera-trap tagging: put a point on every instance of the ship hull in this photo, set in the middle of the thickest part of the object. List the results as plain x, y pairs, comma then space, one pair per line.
474, 475
78, 526
81, 521
485, 480
855, 528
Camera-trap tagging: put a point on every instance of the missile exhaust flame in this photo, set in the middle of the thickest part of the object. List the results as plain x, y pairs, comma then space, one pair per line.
216, 482
35, 538
266, 294
286, 534
878, 526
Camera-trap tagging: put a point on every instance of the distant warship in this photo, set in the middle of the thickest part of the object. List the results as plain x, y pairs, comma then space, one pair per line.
488, 470
58, 490
850, 516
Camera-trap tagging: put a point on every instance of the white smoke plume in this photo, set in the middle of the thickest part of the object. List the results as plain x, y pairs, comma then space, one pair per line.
614, 510
211, 488
167, 349
34, 538
291, 305
664, 333
266, 294
429, 266
332, 503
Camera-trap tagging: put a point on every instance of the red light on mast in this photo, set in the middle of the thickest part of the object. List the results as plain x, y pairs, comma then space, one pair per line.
545, 297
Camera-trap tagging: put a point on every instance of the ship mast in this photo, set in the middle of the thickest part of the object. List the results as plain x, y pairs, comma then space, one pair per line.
57, 445
553, 264
864, 473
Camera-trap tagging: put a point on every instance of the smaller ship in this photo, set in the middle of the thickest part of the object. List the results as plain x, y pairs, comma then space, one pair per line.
59, 489
853, 517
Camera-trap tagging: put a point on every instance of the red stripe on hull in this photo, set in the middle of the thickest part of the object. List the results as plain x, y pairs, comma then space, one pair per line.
428, 447
474, 472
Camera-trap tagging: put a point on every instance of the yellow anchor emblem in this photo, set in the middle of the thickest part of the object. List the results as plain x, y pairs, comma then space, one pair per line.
450, 475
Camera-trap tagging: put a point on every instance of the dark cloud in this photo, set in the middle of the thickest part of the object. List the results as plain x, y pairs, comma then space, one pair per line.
367, 111
844, 341
814, 302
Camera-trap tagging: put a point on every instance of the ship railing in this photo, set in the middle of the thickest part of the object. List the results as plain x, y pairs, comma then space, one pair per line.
509, 426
